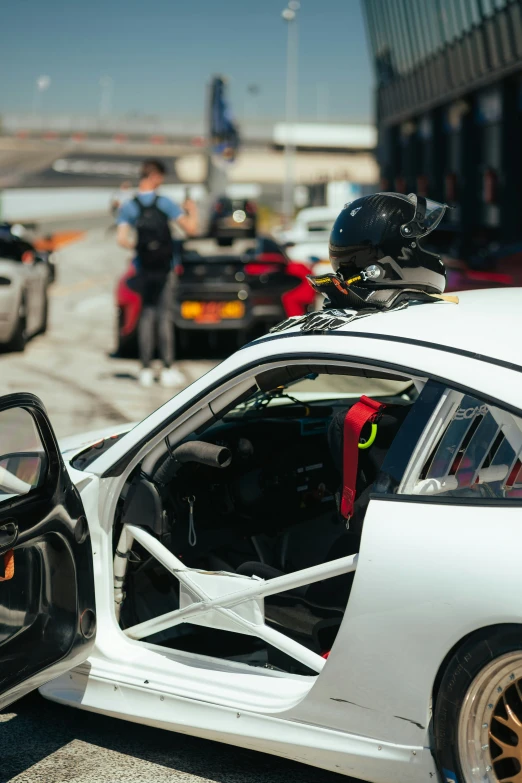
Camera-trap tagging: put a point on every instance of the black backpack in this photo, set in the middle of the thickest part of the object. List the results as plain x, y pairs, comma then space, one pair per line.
155, 246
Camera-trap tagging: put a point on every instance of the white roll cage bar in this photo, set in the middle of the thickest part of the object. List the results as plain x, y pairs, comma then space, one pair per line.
221, 599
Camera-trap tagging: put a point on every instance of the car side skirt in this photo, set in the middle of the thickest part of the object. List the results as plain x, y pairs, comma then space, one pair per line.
348, 754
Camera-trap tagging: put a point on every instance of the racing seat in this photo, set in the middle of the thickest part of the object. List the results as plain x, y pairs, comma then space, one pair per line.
313, 613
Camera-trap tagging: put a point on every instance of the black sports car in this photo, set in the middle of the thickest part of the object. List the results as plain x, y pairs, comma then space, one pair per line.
241, 294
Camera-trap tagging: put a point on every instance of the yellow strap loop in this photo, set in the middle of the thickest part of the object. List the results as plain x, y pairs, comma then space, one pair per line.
373, 434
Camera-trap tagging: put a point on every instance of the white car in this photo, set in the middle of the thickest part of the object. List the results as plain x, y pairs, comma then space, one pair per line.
312, 224
307, 239
25, 276
204, 572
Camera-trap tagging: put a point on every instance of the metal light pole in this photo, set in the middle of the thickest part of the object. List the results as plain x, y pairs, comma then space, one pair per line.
290, 16
40, 86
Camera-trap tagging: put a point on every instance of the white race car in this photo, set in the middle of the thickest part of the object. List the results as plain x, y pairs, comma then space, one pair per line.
25, 276
313, 551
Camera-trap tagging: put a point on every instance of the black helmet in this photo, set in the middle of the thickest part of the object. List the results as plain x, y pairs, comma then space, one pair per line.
374, 247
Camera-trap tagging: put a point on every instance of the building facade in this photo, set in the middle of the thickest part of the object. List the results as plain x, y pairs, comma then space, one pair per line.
449, 109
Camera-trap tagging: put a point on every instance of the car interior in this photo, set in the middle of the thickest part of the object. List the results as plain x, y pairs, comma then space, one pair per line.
256, 492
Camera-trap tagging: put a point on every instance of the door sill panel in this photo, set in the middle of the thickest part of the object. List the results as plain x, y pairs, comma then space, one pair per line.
224, 683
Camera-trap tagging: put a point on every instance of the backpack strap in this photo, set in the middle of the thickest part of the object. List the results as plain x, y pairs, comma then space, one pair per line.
138, 204
364, 411
142, 207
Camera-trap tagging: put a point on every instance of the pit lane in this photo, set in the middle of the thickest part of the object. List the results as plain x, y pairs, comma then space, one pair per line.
71, 368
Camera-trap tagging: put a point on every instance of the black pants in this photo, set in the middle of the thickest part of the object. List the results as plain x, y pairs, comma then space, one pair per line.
156, 322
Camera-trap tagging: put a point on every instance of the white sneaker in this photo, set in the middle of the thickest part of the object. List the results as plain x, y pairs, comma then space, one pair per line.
146, 377
171, 377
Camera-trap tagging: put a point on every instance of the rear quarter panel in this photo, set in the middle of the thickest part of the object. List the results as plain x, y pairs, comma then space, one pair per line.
428, 575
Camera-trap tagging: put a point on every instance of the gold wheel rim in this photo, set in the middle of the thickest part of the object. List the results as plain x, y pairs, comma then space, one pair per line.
505, 735
489, 734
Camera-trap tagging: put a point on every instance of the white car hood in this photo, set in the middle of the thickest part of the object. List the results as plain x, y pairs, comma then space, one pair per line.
75, 443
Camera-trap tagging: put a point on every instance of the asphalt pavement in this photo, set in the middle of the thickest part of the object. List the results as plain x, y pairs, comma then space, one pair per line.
84, 388
41, 742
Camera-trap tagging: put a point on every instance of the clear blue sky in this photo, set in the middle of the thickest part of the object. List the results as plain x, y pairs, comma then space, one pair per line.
161, 54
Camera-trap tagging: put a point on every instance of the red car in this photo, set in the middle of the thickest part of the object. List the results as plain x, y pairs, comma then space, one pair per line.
243, 294
497, 267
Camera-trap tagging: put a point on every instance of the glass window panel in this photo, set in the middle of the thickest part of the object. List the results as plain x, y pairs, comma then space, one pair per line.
419, 26
373, 30
477, 455
389, 37
449, 22
430, 25
22, 455
411, 38
463, 16
451, 441
476, 451
487, 7
474, 11
399, 45
404, 26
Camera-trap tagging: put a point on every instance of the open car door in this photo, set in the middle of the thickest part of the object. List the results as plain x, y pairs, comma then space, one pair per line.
47, 607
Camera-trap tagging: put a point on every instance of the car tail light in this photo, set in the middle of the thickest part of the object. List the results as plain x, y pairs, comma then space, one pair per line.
256, 268
179, 269
250, 208
219, 207
271, 258
28, 257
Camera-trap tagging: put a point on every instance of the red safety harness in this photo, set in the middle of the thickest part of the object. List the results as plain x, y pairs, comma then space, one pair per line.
364, 411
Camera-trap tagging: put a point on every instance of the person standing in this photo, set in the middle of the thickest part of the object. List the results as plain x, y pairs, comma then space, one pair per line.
150, 215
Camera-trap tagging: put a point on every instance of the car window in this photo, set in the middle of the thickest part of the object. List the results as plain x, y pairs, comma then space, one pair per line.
22, 455
331, 386
468, 449
11, 249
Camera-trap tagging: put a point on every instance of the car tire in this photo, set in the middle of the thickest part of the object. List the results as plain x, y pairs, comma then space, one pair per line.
476, 737
18, 340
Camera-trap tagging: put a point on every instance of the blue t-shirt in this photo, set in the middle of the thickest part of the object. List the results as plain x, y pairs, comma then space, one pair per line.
129, 212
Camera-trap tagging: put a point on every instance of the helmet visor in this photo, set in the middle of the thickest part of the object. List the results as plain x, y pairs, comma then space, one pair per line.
428, 214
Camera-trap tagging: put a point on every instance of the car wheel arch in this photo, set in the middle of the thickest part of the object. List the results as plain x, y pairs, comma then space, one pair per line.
461, 668
478, 634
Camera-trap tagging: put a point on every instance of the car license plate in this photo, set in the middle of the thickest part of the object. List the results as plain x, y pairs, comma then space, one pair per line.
212, 312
